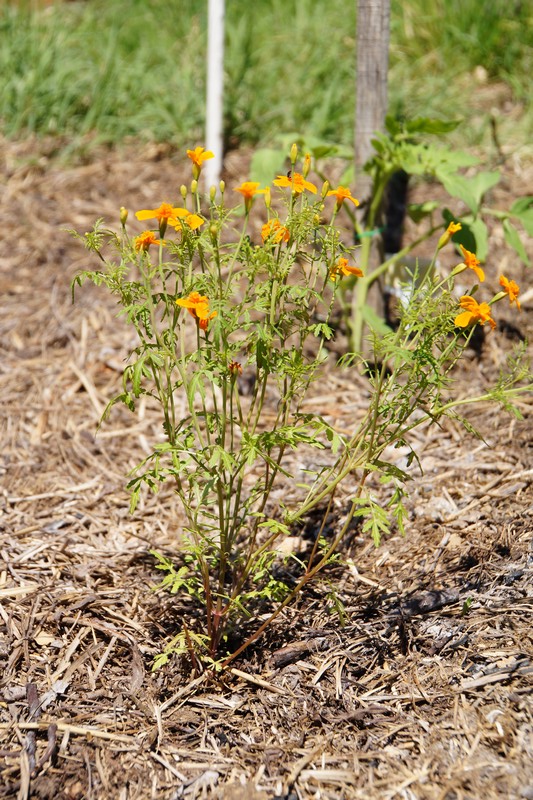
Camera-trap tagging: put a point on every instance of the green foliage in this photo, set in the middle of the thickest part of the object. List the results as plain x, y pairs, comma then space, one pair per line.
211, 302
408, 145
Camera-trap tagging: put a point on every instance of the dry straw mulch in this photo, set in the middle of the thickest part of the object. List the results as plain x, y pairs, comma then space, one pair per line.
419, 690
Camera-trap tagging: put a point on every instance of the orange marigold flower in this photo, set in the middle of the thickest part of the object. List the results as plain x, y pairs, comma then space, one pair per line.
145, 239
342, 193
198, 306
296, 182
181, 216
511, 289
199, 155
164, 211
343, 268
472, 262
473, 312
248, 189
275, 232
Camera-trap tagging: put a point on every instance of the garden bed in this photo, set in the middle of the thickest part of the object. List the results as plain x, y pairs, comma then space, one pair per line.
411, 680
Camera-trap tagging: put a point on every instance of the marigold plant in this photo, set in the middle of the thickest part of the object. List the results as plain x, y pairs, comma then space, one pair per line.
230, 324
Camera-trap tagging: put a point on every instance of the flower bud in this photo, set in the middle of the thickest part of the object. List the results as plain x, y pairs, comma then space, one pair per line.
325, 189
123, 215
183, 191
213, 232
307, 165
452, 228
194, 186
222, 187
268, 197
212, 193
294, 153
458, 269
235, 369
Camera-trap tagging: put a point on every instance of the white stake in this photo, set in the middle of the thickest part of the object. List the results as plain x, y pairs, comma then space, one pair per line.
215, 87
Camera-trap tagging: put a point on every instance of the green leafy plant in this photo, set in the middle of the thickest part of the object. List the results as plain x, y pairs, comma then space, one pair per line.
408, 146
211, 306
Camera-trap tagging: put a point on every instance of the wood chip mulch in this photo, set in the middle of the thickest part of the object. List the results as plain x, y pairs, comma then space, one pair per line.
417, 687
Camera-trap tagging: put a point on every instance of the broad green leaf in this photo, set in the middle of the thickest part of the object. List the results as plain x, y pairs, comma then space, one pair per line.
465, 236
470, 190
392, 125
457, 186
482, 182
431, 126
525, 215
265, 165
481, 236
348, 176
418, 211
522, 204
323, 151
451, 160
425, 160
526, 218
512, 237
374, 321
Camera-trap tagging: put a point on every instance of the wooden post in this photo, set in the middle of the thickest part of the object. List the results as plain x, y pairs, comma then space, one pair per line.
215, 88
373, 32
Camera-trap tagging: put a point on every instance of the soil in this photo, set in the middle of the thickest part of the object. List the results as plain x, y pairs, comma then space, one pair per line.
418, 688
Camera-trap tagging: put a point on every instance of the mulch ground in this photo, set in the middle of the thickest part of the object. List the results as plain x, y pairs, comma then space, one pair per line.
419, 689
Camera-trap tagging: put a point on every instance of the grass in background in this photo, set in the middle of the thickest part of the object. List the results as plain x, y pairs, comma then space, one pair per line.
136, 68
445, 57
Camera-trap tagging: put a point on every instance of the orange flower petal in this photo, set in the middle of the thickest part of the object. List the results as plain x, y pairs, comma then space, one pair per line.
199, 155
164, 211
474, 312
248, 189
464, 319
145, 239
472, 262
342, 193
296, 182
512, 289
